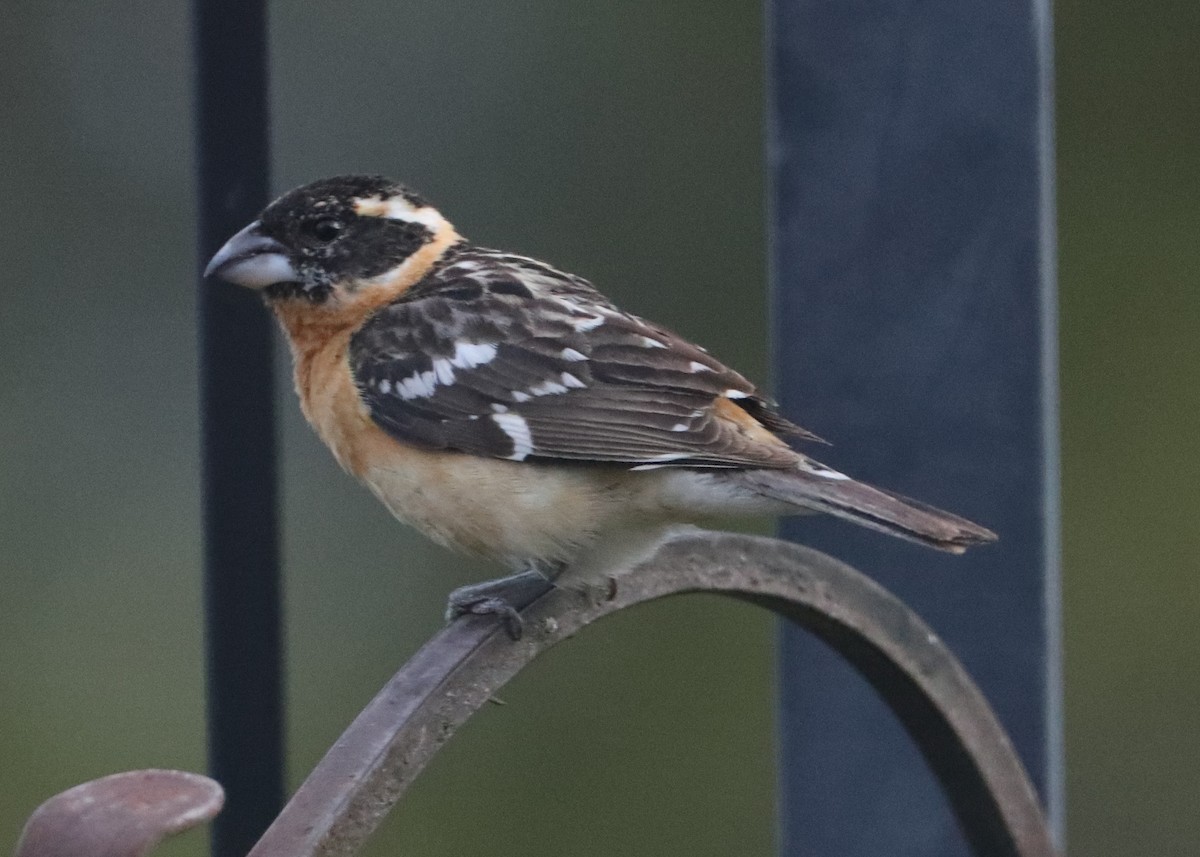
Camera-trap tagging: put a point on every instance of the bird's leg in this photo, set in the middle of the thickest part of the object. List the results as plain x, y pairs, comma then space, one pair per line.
503, 597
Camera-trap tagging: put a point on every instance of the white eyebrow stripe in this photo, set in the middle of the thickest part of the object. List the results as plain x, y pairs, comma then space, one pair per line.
399, 208
518, 432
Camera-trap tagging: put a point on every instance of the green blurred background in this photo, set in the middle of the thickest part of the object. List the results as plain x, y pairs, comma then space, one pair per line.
622, 141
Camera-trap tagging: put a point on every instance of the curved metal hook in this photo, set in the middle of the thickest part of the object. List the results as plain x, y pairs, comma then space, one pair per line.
388, 745
122, 815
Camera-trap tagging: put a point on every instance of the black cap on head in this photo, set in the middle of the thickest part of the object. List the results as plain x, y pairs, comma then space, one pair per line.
328, 235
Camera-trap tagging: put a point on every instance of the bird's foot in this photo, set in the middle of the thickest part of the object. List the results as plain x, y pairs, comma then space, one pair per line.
503, 597
595, 592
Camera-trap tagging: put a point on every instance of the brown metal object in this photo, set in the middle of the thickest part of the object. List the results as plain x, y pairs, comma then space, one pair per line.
388, 745
123, 815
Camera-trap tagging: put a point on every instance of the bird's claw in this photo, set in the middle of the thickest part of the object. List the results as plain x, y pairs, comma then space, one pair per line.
503, 598
489, 605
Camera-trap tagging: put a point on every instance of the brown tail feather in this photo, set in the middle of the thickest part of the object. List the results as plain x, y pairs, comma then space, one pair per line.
871, 507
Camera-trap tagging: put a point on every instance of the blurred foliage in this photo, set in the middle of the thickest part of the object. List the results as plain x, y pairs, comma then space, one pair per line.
622, 141
1129, 214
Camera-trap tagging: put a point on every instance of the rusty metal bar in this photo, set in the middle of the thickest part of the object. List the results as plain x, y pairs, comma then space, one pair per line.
388, 745
122, 815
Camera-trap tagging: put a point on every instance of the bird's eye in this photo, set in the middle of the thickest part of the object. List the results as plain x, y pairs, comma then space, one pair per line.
324, 229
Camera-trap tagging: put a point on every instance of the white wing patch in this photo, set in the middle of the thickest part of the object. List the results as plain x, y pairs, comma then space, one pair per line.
443, 371
468, 355
817, 469
581, 317
422, 385
583, 325
517, 430
419, 385
566, 381
657, 461
547, 388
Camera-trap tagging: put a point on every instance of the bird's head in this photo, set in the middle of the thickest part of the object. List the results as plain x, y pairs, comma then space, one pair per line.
335, 242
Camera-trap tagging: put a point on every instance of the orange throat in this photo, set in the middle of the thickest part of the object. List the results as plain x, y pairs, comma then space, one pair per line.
319, 336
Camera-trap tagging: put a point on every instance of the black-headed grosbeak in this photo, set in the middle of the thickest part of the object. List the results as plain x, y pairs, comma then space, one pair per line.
507, 408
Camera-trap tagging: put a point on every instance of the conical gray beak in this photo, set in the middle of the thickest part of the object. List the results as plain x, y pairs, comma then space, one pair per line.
253, 260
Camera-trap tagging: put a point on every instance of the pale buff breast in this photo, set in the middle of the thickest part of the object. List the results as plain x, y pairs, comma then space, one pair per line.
503, 510
509, 511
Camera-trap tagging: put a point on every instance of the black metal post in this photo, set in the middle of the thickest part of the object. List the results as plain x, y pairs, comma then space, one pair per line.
241, 551
913, 252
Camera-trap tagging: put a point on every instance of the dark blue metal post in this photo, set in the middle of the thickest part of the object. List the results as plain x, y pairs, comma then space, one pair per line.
913, 251
241, 557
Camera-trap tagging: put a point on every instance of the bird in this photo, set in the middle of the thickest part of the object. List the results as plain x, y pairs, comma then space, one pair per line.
509, 410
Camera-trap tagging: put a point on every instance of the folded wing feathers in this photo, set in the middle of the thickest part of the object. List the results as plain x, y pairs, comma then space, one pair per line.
622, 391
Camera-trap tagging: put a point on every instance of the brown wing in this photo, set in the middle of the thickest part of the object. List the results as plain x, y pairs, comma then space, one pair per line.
540, 375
